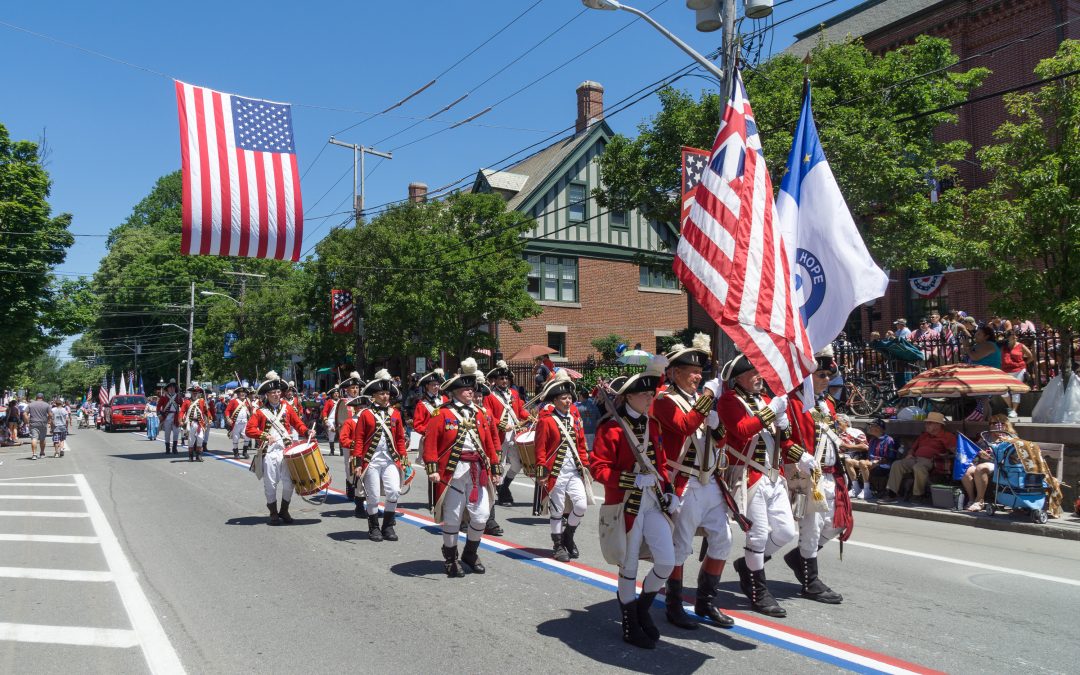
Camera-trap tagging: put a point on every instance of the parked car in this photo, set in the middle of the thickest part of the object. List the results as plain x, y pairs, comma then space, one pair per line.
125, 412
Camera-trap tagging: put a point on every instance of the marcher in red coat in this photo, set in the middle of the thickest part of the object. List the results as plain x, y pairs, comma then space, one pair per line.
505, 405
168, 410
272, 426
562, 463
198, 418
379, 455
328, 414
429, 401
642, 486
460, 454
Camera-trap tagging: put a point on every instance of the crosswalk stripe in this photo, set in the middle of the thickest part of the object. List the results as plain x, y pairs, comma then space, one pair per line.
46, 514
68, 635
43, 497
49, 538
70, 485
54, 574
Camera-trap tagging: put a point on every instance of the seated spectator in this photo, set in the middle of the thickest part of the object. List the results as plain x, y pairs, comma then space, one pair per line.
979, 474
882, 448
934, 443
853, 444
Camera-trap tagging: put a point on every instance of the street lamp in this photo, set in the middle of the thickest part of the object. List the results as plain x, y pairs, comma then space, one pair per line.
189, 332
614, 4
208, 293
174, 326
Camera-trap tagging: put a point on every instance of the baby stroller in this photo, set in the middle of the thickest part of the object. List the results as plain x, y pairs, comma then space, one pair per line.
1014, 487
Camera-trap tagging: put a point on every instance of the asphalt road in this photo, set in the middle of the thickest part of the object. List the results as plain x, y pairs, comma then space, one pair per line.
156, 564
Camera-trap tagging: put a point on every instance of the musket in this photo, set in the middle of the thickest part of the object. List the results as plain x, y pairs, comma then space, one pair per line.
609, 405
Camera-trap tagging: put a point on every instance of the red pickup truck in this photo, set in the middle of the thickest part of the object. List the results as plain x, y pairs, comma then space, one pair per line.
125, 412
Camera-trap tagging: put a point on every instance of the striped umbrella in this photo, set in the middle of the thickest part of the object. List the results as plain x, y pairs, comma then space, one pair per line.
960, 379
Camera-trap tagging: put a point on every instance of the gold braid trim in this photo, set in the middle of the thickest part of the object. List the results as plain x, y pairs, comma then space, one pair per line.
795, 452
704, 403
626, 480
766, 415
432, 467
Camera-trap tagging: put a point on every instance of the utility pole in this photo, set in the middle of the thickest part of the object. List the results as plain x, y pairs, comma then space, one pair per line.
191, 332
730, 47
358, 213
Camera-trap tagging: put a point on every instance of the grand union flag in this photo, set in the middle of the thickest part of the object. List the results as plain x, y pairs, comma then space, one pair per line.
732, 258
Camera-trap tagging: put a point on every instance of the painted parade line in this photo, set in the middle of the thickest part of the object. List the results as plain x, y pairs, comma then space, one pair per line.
801, 642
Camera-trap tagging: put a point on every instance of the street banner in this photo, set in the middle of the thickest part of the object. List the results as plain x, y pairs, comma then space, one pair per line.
834, 272
230, 340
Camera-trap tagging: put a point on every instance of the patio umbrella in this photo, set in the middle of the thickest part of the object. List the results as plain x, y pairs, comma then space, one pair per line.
635, 357
959, 379
531, 352
574, 375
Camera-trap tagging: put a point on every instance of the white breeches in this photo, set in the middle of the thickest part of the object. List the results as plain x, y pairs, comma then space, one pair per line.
815, 529
768, 508
276, 473
170, 429
456, 503
238, 434
568, 486
197, 438
702, 506
652, 527
382, 477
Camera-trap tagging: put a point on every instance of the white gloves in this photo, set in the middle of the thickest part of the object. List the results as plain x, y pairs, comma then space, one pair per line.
807, 463
644, 480
713, 420
672, 503
713, 386
778, 405
782, 421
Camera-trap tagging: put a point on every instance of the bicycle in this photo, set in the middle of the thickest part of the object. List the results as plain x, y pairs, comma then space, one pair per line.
861, 398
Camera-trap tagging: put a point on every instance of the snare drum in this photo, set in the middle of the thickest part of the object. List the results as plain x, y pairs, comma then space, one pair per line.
526, 447
307, 468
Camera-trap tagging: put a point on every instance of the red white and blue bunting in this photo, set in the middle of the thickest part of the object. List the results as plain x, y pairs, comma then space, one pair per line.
927, 287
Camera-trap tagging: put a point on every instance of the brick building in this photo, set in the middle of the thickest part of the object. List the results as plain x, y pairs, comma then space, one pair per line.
983, 33
594, 272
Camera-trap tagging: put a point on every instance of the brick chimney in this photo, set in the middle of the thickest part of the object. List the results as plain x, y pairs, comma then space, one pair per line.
590, 104
418, 192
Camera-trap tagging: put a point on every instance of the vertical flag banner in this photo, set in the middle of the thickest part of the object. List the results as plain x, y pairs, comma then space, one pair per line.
240, 175
123, 385
141, 389
112, 388
230, 339
834, 272
694, 161
732, 258
103, 391
342, 311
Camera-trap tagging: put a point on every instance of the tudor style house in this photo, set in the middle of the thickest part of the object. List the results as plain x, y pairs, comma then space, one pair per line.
594, 272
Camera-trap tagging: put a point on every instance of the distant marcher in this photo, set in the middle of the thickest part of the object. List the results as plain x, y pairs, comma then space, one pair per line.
59, 417
38, 414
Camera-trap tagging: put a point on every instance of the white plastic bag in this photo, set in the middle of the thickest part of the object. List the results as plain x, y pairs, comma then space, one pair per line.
1068, 411
1046, 410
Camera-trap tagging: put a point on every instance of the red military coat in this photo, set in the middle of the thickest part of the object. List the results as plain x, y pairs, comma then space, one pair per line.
259, 428
742, 427
549, 438
440, 435
232, 407
328, 407
362, 433
614, 465
346, 433
496, 405
424, 410
675, 426
163, 402
205, 415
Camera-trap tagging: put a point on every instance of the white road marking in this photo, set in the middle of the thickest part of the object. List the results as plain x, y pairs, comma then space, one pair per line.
55, 475
70, 485
68, 635
967, 563
157, 650
46, 514
43, 497
49, 538
54, 574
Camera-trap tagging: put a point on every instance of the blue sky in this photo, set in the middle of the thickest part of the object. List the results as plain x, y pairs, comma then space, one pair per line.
113, 128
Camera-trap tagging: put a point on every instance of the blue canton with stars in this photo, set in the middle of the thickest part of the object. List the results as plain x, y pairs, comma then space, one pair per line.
262, 126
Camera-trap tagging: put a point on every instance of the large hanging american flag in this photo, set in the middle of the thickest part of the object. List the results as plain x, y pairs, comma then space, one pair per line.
732, 259
241, 182
342, 311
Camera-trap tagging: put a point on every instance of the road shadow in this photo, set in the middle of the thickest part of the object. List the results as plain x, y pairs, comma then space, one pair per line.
343, 513
264, 520
422, 569
146, 455
537, 520
349, 535
596, 633
780, 589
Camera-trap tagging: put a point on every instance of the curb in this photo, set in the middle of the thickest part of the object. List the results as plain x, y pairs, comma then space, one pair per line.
1001, 523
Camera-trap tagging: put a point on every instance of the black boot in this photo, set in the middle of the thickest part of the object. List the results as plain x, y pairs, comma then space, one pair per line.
568, 541
389, 519
761, 600
246, 446
191, 455
450, 562
272, 507
358, 509
746, 582
558, 551
374, 532
285, 517
676, 614
503, 496
331, 449
708, 585
631, 627
492, 527
644, 604
198, 455
806, 571
350, 490
469, 557
236, 452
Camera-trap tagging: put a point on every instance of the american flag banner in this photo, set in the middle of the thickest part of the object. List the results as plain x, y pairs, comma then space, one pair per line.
343, 312
103, 391
694, 161
732, 259
240, 175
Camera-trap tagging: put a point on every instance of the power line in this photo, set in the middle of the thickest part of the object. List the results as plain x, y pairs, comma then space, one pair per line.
984, 97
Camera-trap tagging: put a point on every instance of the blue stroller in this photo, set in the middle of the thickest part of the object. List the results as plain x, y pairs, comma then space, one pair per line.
1014, 487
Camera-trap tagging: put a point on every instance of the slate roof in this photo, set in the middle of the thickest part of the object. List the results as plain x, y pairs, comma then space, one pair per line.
860, 20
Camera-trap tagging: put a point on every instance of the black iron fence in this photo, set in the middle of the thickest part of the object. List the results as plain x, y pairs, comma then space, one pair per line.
590, 371
870, 359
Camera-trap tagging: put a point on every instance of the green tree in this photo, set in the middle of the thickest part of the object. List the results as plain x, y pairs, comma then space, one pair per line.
882, 165
32, 241
1024, 227
607, 346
